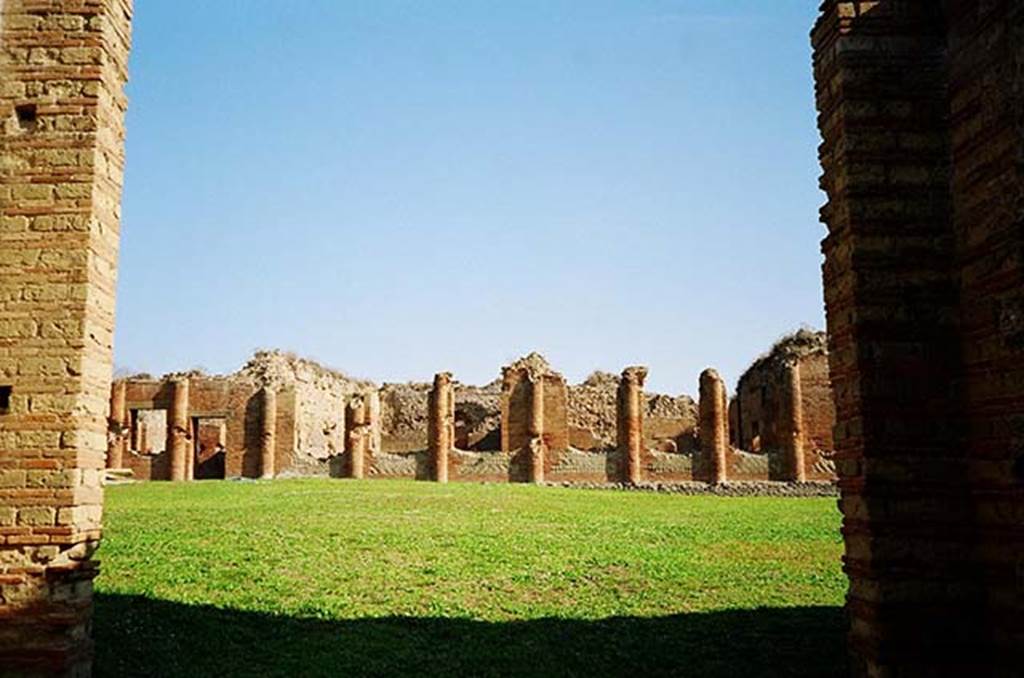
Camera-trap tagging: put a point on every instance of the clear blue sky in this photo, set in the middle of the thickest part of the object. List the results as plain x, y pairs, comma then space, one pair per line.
397, 188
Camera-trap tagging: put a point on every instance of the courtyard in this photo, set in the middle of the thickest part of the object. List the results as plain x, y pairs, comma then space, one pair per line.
328, 577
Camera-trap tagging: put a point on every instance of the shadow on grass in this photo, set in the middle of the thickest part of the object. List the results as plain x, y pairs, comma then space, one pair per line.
137, 636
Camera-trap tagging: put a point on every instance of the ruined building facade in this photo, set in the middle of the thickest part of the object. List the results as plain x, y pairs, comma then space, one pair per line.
285, 416
783, 405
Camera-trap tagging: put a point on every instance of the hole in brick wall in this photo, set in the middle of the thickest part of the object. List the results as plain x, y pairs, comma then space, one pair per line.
28, 116
5, 399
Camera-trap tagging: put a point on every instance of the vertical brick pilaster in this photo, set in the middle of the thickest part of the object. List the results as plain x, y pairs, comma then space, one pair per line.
441, 424
630, 428
359, 434
915, 600
268, 433
179, 430
713, 428
118, 435
62, 71
792, 425
536, 429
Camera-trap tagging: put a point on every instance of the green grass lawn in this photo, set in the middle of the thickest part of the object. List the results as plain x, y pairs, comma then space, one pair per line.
330, 578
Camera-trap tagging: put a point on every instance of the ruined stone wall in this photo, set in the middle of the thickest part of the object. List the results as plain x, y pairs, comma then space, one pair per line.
478, 417
586, 451
759, 410
404, 417
308, 430
63, 66
320, 396
670, 422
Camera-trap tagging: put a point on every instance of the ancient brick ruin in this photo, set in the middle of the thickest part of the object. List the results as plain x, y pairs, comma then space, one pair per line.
922, 117
783, 409
285, 416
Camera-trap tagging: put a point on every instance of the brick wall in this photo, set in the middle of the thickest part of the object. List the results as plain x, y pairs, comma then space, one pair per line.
62, 71
986, 115
234, 402
758, 413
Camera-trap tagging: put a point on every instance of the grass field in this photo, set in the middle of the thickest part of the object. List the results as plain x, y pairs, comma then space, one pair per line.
333, 578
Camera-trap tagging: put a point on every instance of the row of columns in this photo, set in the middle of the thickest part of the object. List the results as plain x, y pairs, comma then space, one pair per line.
362, 429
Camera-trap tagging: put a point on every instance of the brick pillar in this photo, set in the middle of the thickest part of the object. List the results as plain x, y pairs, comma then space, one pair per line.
190, 454
714, 436
536, 429
916, 599
630, 429
791, 431
179, 431
372, 398
355, 437
62, 69
141, 436
441, 424
118, 435
362, 431
268, 433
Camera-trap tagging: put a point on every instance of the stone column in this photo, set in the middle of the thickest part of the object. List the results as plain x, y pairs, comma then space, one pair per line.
355, 437
714, 436
119, 432
268, 432
537, 445
441, 424
792, 429
630, 428
179, 431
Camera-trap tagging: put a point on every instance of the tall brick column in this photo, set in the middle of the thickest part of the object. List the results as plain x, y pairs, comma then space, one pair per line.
630, 429
62, 71
441, 424
358, 435
536, 429
791, 435
179, 430
920, 115
714, 435
373, 415
118, 435
268, 432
